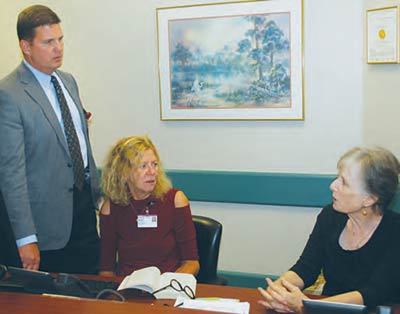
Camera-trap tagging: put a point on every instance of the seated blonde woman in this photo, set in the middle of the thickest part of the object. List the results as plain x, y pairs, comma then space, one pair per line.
143, 219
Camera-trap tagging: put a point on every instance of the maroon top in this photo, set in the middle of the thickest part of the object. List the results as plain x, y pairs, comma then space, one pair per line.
173, 241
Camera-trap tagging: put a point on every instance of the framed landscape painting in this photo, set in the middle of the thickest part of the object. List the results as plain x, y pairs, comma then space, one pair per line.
231, 61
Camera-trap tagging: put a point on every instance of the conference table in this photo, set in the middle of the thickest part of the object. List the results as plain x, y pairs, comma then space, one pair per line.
22, 303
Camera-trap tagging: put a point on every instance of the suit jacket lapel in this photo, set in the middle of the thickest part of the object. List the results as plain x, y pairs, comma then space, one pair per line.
35, 91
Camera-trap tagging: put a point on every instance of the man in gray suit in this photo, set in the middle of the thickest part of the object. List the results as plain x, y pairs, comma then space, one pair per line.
48, 176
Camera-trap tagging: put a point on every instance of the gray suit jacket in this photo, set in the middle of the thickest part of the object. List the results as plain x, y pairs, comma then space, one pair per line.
36, 175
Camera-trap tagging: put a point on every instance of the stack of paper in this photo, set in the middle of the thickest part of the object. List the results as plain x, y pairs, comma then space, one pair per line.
214, 304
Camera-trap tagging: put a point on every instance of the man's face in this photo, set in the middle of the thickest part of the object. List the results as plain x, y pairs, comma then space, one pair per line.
45, 51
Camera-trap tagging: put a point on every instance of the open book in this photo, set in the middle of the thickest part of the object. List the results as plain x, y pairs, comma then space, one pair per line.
150, 279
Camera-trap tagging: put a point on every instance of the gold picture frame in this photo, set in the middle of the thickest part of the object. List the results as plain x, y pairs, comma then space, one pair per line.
383, 35
231, 61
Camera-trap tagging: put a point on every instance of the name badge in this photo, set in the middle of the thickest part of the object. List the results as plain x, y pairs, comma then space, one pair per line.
147, 221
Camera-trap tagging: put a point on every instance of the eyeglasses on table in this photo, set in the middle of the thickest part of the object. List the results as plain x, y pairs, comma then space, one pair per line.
177, 286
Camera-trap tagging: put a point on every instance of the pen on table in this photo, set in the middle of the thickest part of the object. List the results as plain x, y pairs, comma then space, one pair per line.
180, 304
59, 296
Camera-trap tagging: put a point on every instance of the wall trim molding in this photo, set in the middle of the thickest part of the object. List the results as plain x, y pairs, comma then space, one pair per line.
265, 188
286, 189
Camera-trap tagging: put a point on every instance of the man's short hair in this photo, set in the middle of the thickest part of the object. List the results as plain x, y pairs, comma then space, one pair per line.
32, 17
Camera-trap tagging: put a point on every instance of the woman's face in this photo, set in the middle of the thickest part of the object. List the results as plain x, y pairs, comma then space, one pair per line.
144, 178
347, 190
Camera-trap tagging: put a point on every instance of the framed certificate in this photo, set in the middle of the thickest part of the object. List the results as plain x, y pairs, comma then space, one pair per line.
382, 35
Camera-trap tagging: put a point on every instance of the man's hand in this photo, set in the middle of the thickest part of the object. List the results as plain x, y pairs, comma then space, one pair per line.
30, 256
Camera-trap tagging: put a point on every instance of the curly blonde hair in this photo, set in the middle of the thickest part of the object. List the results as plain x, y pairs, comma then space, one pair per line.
122, 159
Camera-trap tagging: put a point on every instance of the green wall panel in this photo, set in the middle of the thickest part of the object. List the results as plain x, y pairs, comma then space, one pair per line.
285, 189
254, 187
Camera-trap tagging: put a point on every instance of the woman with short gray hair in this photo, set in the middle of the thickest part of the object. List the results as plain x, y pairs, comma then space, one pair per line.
355, 241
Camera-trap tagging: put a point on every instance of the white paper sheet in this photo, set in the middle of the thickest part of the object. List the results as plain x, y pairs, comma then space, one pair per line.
218, 305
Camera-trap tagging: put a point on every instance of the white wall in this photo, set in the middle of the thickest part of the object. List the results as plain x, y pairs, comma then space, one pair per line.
259, 239
111, 48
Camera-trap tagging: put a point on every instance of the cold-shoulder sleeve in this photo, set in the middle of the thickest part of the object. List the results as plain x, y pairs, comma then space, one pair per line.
185, 233
108, 241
